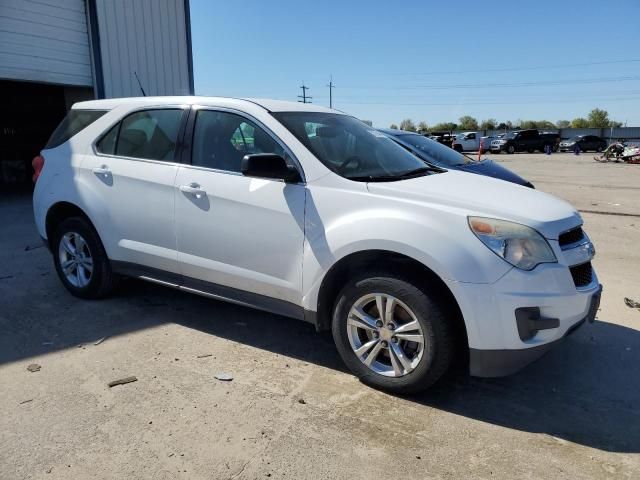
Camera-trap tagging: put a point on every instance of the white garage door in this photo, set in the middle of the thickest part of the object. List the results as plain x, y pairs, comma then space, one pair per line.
45, 41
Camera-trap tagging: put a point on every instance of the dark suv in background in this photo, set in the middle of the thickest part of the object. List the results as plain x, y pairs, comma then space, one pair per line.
585, 142
525, 141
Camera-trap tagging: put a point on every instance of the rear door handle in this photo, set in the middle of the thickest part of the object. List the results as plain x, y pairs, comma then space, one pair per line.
193, 189
102, 170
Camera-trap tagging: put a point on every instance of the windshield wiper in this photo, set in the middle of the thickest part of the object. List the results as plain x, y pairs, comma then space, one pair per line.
417, 172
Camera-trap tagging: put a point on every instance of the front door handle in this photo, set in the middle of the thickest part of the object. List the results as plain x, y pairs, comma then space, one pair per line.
193, 189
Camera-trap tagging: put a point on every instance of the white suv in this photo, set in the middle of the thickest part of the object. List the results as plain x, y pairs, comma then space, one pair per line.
307, 212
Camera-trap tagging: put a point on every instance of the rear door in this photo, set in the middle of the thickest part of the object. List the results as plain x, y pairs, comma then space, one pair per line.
130, 175
237, 234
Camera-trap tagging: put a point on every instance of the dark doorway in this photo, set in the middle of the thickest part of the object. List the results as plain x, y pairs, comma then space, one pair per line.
29, 114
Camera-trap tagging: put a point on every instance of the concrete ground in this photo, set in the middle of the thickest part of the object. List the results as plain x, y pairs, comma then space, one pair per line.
292, 411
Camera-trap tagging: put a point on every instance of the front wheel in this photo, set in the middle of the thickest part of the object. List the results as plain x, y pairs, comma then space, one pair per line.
511, 149
392, 335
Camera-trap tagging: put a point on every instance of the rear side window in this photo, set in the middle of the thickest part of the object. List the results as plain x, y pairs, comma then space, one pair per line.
149, 134
74, 122
107, 144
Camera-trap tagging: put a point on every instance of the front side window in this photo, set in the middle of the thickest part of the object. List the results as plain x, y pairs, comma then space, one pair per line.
149, 134
222, 139
351, 148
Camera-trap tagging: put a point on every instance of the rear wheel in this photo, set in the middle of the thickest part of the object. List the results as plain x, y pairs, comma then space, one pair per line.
80, 259
599, 149
392, 335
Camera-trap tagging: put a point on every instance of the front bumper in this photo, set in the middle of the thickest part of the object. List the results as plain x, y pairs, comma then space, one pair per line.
499, 363
519, 317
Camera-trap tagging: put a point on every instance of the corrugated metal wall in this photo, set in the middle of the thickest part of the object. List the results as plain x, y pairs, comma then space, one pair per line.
45, 41
149, 37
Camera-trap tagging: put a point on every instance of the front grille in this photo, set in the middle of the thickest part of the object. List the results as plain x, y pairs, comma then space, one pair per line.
582, 274
572, 236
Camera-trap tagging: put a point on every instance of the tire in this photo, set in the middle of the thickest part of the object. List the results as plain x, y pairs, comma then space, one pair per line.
555, 148
511, 149
531, 150
428, 363
599, 149
77, 235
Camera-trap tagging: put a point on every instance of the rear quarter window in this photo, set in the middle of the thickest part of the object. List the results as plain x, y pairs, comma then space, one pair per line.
74, 122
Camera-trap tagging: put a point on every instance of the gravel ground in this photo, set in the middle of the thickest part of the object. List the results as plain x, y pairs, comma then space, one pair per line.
291, 410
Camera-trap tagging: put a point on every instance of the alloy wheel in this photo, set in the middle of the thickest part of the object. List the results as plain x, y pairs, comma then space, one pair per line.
75, 258
385, 335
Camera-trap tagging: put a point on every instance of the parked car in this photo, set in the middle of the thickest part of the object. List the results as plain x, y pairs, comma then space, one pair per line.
308, 212
525, 141
441, 156
445, 138
470, 142
585, 142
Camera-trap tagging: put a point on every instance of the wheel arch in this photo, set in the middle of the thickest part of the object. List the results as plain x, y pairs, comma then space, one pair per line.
413, 270
60, 211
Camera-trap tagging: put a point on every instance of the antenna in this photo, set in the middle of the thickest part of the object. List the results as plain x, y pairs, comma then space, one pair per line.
139, 84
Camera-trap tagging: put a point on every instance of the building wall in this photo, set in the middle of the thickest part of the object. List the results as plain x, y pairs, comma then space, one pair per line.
148, 37
45, 42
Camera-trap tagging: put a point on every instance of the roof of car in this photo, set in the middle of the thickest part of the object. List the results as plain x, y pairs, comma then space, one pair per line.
394, 132
267, 104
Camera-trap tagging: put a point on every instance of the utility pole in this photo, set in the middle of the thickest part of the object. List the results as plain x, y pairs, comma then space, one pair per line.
331, 87
305, 98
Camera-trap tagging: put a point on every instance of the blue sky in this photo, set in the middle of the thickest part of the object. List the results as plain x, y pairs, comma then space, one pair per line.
431, 61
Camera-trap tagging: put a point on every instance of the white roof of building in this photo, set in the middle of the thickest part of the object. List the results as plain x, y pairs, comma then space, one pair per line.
267, 104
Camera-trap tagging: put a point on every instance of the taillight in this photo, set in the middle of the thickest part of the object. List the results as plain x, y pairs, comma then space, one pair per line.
38, 164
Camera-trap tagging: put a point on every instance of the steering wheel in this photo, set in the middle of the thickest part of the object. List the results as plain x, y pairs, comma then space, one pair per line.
349, 160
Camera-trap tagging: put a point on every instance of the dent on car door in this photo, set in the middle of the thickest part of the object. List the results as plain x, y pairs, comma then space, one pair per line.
234, 231
132, 172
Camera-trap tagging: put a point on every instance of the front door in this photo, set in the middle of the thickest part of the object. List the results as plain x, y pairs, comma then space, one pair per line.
239, 233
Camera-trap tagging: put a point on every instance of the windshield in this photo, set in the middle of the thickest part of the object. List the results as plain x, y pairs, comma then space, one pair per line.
351, 148
434, 152
511, 135
576, 139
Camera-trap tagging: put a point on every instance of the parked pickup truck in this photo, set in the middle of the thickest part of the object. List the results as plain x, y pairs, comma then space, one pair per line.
470, 142
525, 141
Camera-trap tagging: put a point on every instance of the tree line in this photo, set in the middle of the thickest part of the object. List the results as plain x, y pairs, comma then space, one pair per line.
597, 118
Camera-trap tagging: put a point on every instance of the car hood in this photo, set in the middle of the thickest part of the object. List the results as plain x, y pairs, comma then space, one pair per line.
495, 170
485, 196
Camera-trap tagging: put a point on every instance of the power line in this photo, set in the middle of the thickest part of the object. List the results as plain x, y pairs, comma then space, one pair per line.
517, 69
502, 85
537, 102
305, 98
492, 97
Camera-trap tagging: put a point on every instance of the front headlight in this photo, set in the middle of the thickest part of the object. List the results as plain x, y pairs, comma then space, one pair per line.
502, 141
521, 246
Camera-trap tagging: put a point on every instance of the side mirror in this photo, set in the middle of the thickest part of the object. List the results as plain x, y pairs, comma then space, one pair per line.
269, 165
